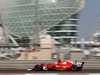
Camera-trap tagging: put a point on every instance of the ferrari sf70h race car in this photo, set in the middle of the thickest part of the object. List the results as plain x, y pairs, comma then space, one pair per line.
60, 65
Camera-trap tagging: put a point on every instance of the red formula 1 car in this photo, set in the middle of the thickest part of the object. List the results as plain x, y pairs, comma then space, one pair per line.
60, 65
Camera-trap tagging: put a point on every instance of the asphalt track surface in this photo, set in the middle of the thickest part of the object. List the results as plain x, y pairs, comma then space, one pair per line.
25, 71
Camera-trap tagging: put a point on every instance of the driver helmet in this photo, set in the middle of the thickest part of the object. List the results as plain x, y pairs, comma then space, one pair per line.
59, 61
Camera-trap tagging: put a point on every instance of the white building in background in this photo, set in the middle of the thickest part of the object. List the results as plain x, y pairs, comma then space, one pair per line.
58, 18
1, 35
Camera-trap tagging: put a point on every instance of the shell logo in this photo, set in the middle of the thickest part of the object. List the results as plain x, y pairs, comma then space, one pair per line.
57, 66
49, 65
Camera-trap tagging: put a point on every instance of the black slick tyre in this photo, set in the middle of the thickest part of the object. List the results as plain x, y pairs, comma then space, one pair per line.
37, 67
74, 67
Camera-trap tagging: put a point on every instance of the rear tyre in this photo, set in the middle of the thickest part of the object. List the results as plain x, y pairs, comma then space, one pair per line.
37, 68
74, 67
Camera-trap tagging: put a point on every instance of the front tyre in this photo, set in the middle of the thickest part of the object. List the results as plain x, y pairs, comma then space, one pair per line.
37, 68
74, 67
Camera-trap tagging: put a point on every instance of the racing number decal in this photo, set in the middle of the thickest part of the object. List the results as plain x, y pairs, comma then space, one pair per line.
45, 68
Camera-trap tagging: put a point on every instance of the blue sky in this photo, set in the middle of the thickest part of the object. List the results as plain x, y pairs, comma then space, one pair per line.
89, 19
